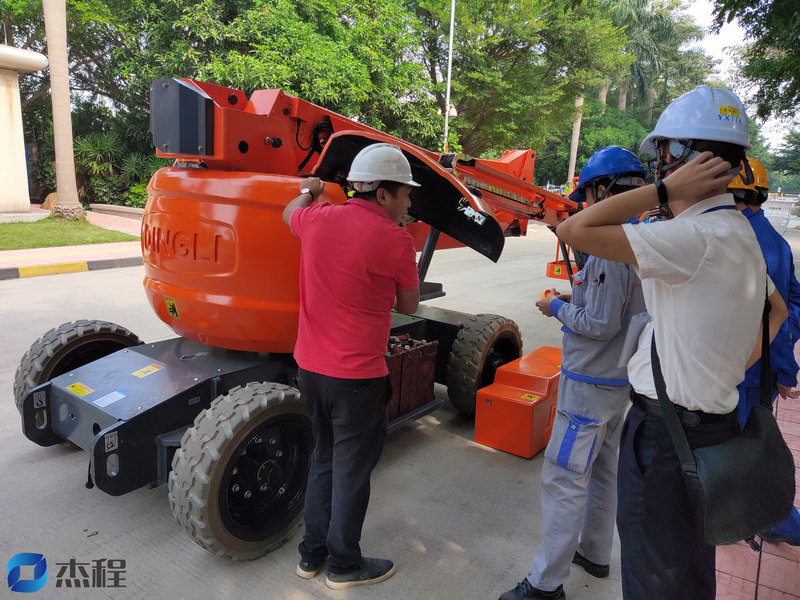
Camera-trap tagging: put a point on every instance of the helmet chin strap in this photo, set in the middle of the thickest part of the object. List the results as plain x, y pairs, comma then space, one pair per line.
606, 190
747, 176
663, 168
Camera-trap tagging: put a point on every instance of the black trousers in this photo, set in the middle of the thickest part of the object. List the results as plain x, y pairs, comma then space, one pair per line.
664, 553
348, 419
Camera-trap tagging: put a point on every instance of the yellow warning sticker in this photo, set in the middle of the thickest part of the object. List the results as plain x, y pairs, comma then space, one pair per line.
531, 397
172, 307
80, 389
556, 270
148, 370
729, 110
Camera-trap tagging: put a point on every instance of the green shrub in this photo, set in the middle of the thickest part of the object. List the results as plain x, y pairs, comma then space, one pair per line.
135, 167
107, 190
98, 153
137, 195
45, 177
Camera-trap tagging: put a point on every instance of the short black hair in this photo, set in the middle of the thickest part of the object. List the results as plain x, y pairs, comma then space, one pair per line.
749, 197
733, 153
389, 186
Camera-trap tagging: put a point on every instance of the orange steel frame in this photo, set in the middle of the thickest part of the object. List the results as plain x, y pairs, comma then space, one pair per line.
221, 267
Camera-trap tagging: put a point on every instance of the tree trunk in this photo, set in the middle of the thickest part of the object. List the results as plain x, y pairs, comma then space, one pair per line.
55, 23
576, 134
623, 96
651, 100
601, 96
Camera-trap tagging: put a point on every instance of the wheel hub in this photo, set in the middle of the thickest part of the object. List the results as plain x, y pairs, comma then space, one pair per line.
269, 473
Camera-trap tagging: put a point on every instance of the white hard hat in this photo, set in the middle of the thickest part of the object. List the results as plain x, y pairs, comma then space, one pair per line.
380, 162
705, 113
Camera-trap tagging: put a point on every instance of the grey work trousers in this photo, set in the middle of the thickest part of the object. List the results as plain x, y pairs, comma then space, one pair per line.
579, 480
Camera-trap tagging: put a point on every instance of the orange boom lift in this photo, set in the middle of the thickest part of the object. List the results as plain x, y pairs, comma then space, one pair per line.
215, 413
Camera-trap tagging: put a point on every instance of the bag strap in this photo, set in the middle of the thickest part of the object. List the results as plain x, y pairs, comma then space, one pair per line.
676, 432
766, 378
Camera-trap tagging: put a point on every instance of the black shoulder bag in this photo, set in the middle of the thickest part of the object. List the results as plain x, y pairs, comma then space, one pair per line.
745, 485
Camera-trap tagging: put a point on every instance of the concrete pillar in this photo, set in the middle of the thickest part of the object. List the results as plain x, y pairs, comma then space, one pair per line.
14, 197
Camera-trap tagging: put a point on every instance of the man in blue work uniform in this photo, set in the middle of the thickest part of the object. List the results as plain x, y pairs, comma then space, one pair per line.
780, 268
579, 474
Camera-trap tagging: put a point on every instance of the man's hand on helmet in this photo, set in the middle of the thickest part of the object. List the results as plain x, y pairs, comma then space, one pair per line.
698, 179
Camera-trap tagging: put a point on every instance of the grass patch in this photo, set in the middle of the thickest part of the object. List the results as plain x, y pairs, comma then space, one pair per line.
50, 231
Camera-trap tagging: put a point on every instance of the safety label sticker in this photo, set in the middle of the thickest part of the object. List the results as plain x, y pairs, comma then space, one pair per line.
39, 399
148, 370
80, 389
172, 307
557, 270
531, 397
729, 110
111, 441
109, 399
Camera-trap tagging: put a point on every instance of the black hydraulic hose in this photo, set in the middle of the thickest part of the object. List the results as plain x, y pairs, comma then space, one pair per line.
567, 263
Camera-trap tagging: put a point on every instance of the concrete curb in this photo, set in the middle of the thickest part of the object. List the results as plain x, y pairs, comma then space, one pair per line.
127, 212
69, 267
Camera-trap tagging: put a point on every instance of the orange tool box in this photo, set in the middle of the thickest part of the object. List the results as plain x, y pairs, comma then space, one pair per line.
515, 414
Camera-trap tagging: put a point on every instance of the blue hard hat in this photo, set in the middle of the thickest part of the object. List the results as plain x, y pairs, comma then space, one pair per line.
607, 162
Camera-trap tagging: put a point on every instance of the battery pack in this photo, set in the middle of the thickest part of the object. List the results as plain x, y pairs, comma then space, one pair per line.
412, 369
515, 414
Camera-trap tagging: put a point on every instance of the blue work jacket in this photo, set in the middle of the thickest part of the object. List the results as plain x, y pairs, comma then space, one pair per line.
605, 295
780, 267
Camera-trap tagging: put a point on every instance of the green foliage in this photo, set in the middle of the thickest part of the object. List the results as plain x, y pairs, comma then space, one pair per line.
44, 175
610, 128
106, 190
771, 58
137, 195
352, 58
518, 67
788, 156
98, 153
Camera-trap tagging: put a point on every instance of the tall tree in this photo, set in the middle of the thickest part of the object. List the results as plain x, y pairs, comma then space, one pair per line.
771, 58
67, 205
93, 26
652, 29
518, 65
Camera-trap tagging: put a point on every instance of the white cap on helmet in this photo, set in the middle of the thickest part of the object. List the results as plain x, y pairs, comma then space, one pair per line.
380, 162
705, 113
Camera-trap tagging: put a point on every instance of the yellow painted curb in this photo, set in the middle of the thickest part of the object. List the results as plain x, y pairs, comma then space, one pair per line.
35, 271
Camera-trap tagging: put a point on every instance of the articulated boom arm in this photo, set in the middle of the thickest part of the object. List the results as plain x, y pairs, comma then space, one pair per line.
274, 132
505, 186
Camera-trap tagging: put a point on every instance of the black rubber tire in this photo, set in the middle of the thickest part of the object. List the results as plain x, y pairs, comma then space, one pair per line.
256, 438
483, 344
67, 347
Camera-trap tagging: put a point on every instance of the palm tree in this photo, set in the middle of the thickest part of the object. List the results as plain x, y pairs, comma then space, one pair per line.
576, 134
55, 24
650, 29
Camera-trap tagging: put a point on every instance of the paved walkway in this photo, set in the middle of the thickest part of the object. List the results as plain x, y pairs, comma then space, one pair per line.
773, 573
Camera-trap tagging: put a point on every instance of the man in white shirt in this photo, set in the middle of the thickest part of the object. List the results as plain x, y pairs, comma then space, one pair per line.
704, 281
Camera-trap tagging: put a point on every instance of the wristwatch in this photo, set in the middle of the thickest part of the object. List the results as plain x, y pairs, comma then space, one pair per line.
309, 192
663, 198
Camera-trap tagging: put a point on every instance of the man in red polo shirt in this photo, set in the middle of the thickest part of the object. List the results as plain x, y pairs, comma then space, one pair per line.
356, 264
